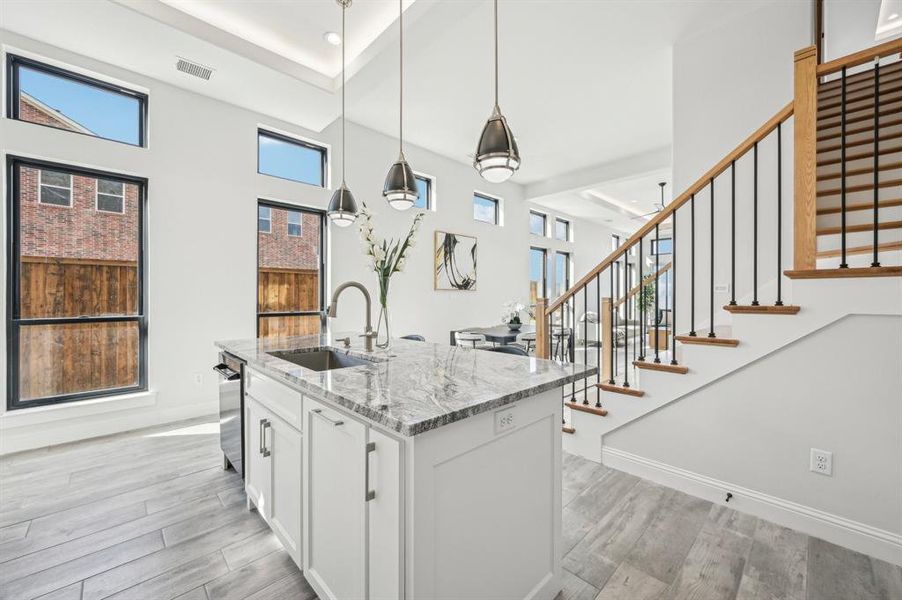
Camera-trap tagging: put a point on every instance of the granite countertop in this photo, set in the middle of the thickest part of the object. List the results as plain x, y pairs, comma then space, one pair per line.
414, 386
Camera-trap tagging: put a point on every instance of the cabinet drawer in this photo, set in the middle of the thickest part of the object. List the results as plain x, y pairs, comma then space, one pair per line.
277, 397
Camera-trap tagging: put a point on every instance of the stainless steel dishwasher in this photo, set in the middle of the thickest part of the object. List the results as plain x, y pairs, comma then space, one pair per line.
231, 411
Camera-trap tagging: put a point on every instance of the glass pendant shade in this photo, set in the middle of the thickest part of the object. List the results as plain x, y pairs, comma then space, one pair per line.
400, 188
342, 207
497, 155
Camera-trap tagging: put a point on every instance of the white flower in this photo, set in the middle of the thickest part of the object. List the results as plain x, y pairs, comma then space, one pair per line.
411, 242
399, 266
378, 252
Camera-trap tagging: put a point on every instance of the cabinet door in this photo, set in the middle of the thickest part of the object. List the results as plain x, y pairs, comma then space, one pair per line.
258, 478
385, 543
284, 445
334, 503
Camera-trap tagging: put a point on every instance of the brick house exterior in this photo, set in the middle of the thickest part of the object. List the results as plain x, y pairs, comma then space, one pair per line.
34, 111
278, 250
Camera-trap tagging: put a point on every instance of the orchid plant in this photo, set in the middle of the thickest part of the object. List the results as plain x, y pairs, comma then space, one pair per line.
510, 312
386, 256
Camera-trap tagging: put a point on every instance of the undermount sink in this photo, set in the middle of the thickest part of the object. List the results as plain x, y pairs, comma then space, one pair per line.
320, 360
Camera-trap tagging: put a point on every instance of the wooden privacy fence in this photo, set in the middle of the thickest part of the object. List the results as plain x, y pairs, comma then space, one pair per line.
65, 287
285, 291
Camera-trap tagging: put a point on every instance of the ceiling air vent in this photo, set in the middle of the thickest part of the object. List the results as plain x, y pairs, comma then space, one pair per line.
192, 68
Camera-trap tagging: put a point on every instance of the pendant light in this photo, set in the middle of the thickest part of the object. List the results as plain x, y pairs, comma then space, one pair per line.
497, 155
400, 185
342, 207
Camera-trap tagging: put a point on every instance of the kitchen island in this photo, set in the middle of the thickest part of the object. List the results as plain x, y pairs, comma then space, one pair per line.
424, 471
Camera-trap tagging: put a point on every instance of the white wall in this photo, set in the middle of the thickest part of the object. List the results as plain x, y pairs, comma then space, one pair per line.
202, 195
849, 26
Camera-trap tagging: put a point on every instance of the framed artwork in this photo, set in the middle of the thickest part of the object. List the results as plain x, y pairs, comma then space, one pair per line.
455, 261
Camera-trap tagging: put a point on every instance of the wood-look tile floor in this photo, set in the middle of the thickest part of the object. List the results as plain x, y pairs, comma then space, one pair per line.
151, 515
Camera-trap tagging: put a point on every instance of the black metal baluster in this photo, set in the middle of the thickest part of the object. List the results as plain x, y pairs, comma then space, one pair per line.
642, 317
711, 333
626, 320
842, 170
585, 339
673, 311
571, 342
657, 301
732, 233
779, 301
754, 229
611, 320
555, 352
600, 335
692, 267
876, 261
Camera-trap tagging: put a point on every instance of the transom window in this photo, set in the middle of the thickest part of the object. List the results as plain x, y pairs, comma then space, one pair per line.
537, 223
55, 187
486, 209
110, 196
264, 219
290, 158
562, 229
294, 223
53, 97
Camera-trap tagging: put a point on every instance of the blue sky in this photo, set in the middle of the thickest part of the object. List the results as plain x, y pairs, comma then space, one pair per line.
290, 161
106, 114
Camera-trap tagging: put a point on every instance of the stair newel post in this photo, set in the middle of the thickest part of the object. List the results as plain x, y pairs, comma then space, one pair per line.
601, 343
642, 316
586, 340
876, 261
626, 318
779, 301
805, 160
673, 269
692, 267
542, 350
657, 301
711, 333
754, 228
842, 169
611, 358
732, 233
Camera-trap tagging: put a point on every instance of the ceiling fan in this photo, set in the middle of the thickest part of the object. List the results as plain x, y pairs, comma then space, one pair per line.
659, 208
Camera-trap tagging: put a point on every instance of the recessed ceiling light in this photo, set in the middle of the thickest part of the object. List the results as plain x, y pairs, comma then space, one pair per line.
333, 38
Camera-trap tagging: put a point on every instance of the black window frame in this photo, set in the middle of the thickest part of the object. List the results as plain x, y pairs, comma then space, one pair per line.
323, 245
544, 223
428, 181
544, 251
496, 202
566, 222
653, 250
567, 267
269, 220
14, 61
323, 153
14, 322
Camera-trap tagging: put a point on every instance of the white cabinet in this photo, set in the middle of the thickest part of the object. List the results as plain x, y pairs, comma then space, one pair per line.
273, 475
352, 519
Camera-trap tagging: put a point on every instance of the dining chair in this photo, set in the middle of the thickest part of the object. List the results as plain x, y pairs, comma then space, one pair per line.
466, 337
413, 336
529, 339
509, 349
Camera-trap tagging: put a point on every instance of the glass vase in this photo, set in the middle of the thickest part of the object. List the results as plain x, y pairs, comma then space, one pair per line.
383, 325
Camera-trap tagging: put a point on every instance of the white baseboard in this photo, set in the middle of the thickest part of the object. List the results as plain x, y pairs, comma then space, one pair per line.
857, 536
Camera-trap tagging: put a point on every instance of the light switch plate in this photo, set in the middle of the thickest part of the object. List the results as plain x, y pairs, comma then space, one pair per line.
505, 420
821, 462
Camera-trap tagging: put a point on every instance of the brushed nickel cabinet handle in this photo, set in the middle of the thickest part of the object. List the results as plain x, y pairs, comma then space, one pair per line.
370, 448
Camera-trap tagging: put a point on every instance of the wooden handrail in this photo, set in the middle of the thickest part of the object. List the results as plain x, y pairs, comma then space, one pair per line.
860, 58
645, 281
682, 199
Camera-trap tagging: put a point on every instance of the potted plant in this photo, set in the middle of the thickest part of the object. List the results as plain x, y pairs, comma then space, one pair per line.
510, 315
647, 301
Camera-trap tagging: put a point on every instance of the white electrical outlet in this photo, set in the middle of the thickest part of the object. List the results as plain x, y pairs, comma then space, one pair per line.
504, 420
198, 379
722, 288
822, 462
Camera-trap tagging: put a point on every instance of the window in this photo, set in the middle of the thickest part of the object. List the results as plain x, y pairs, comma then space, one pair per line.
424, 188
562, 272
288, 158
615, 241
290, 267
662, 246
537, 274
110, 196
55, 188
562, 229
486, 209
294, 223
537, 223
71, 342
51, 96
264, 219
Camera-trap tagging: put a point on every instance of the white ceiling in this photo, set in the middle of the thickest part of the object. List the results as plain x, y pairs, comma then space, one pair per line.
583, 82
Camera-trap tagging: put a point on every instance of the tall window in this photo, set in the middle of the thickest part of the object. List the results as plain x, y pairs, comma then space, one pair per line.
537, 274
561, 272
76, 324
289, 158
537, 223
424, 189
662, 246
62, 99
290, 261
486, 209
562, 229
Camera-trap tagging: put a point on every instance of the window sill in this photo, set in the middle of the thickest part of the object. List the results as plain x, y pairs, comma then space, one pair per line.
24, 417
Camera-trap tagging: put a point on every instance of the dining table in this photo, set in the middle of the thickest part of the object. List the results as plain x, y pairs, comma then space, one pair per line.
497, 334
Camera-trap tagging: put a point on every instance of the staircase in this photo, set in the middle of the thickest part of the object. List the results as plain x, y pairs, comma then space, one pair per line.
805, 215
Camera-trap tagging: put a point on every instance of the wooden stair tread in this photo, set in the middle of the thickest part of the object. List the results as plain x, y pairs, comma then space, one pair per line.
862, 142
891, 166
619, 389
859, 93
769, 309
864, 205
826, 162
885, 111
834, 86
586, 408
860, 103
844, 273
856, 130
704, 340
884, 247
860, 228
664, 367
860, 107
566, 429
